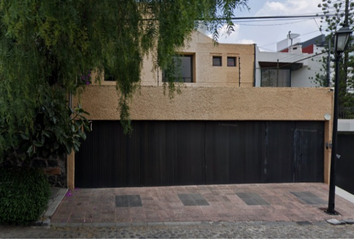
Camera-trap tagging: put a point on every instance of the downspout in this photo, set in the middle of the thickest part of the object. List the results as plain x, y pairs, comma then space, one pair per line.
254, 65
70, 160
157, 71
70, 100
277, 72
239, 71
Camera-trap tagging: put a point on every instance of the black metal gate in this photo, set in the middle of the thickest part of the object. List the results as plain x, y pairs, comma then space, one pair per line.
345, 165
161, 153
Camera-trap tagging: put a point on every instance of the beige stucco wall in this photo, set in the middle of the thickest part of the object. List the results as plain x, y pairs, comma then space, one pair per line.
205, 74
212, 103
70, 170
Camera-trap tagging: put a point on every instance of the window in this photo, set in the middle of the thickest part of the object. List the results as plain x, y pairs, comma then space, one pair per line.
108, 76
184, 69
217, 61
231, 61
275, 77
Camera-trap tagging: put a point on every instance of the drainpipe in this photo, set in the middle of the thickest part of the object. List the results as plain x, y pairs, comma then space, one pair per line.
70, 100
254, 65
158, 82
239, 71
277, 72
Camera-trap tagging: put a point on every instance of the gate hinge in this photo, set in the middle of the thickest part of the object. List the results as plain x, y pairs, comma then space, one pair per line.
328, 145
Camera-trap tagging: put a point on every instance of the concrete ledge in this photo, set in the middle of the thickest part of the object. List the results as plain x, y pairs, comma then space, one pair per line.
57, 195
346, 125
344, 194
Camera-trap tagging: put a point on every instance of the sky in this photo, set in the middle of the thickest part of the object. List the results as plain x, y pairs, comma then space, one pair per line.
266, 33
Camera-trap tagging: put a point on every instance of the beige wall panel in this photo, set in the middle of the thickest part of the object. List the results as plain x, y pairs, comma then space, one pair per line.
215, 103
327, 151
70, 171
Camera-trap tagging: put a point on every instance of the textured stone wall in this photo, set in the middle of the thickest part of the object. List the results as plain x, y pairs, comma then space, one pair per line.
54, 168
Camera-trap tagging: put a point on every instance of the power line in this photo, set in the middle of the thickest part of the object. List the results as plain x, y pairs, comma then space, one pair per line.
263, 46
262, 17
272, 24
280, 17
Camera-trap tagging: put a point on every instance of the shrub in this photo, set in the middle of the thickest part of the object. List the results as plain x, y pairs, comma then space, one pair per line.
24, 195
56, 129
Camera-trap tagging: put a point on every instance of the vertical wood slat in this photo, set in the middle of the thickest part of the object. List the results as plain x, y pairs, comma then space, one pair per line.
345, 165
309, 155
234, 152
279, 158
161, 153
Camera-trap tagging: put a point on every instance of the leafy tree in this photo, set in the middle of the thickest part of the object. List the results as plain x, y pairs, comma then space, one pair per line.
336, 16
46, 46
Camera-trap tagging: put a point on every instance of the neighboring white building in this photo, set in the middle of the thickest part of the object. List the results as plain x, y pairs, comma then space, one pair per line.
291, 66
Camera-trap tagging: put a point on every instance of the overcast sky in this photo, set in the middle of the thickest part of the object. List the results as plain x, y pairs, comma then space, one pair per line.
267, 33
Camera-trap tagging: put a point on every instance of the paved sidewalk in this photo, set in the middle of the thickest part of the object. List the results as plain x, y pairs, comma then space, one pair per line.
286, 202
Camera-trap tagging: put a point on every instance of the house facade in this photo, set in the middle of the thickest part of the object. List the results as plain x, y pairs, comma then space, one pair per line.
221, 129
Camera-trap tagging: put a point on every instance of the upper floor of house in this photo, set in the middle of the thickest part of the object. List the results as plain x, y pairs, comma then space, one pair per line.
202, 63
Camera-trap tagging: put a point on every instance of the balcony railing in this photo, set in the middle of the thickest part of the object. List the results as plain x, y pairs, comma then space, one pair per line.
346, 113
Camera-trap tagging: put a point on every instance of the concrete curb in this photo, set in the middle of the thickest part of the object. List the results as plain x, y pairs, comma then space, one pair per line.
57, 195
203, 223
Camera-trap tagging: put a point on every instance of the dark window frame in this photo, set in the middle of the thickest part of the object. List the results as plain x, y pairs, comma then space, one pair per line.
234, 61
191, 78
108, 76
217, 58
273, 81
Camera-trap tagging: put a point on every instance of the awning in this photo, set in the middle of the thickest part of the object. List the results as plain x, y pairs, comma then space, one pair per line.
282, 65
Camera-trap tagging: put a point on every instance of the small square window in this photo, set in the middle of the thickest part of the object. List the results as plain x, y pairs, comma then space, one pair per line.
108, 76
231, 61
217, 61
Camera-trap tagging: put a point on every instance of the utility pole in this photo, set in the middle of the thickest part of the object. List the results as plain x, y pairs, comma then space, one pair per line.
346, 13
346, 54
340, 47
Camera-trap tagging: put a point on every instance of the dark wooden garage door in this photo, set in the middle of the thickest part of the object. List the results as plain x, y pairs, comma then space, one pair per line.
345, 165
161, 153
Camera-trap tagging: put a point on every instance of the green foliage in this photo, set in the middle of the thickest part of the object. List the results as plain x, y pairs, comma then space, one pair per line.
24, 195
52, 43
346, 65
57, 129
